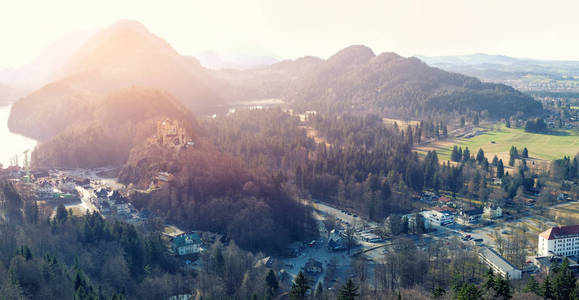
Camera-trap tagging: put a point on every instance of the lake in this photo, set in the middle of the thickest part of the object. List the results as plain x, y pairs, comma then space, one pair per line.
11, 144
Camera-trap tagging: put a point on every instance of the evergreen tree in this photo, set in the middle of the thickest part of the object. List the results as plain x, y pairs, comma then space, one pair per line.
508, 122
462, 122
438, 292
409, 137
475, 121
349, 291
500, 169
480, 156
525, 153
61, 214
272, 283
564, 282
489, 283
547, 289
466, 154
495, 161
503, 289
532, 286
454, 154
300, 287
469, 292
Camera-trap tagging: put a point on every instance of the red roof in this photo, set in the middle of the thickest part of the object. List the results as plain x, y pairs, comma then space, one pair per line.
444, 199
560, 232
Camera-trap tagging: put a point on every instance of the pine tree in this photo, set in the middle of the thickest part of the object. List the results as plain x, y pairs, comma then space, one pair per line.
409, 137
508, 122
564, 282
349, 291
272, 283
489, 283
61, 214
466, 154
300, 287
454, 154
547, 289
495, 161
503, 289
480, 156
525, 153
532, 286
500, 169
469, 292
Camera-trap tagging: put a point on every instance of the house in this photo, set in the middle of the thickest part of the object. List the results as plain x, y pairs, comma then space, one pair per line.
562, 197
445, 209
187, 243
313, 267
559, 241
500, 265
472, 215
438, 218
492, 212
444, 199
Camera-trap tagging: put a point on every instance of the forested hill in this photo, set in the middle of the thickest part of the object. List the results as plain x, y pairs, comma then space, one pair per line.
356, 80
107, 130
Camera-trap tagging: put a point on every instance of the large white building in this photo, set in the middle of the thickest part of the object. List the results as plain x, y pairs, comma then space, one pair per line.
559, 241
438, 218
498, 263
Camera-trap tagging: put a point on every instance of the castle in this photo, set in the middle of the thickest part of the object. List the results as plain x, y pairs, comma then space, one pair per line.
170, 133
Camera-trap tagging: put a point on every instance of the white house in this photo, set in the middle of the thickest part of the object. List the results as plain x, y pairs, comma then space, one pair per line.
492, 212
438, 218
559, 241
187, 243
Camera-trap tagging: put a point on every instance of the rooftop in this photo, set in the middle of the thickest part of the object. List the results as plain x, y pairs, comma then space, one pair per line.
560, 232
496, 259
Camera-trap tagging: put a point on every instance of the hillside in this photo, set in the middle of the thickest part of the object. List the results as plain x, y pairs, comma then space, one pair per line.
116, 123
356, 80
123, 55
211, 190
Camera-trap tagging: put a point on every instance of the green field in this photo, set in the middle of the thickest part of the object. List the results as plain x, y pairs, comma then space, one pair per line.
499, 141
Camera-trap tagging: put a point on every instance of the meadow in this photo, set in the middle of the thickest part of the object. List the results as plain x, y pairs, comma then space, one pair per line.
498, 141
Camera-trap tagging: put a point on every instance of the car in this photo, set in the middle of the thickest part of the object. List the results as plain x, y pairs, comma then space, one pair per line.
505, 232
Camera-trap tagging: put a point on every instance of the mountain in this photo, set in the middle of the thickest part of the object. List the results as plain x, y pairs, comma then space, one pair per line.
123, 55
521, 73
39, 71
356, 80
110, 128
127, 54
8, 94
216, 61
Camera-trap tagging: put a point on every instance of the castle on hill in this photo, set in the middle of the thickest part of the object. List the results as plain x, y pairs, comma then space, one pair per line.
170, 133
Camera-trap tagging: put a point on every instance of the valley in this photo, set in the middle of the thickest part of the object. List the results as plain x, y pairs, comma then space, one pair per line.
130, 169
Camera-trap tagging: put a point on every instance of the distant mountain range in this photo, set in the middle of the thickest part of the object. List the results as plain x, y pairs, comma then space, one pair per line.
216, 61
521, 73
357, 80
126, 58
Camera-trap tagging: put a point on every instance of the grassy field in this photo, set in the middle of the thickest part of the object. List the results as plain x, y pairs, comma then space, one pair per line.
500, 140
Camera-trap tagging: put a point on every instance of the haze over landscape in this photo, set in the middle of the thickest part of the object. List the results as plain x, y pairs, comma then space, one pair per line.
289, 150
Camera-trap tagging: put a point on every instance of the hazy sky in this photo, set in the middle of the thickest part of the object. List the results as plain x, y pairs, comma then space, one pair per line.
293, 28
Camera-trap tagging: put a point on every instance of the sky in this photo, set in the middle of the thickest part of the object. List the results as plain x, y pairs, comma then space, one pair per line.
290, 29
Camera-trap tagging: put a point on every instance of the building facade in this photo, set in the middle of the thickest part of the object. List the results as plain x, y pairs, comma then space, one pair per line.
559, 241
